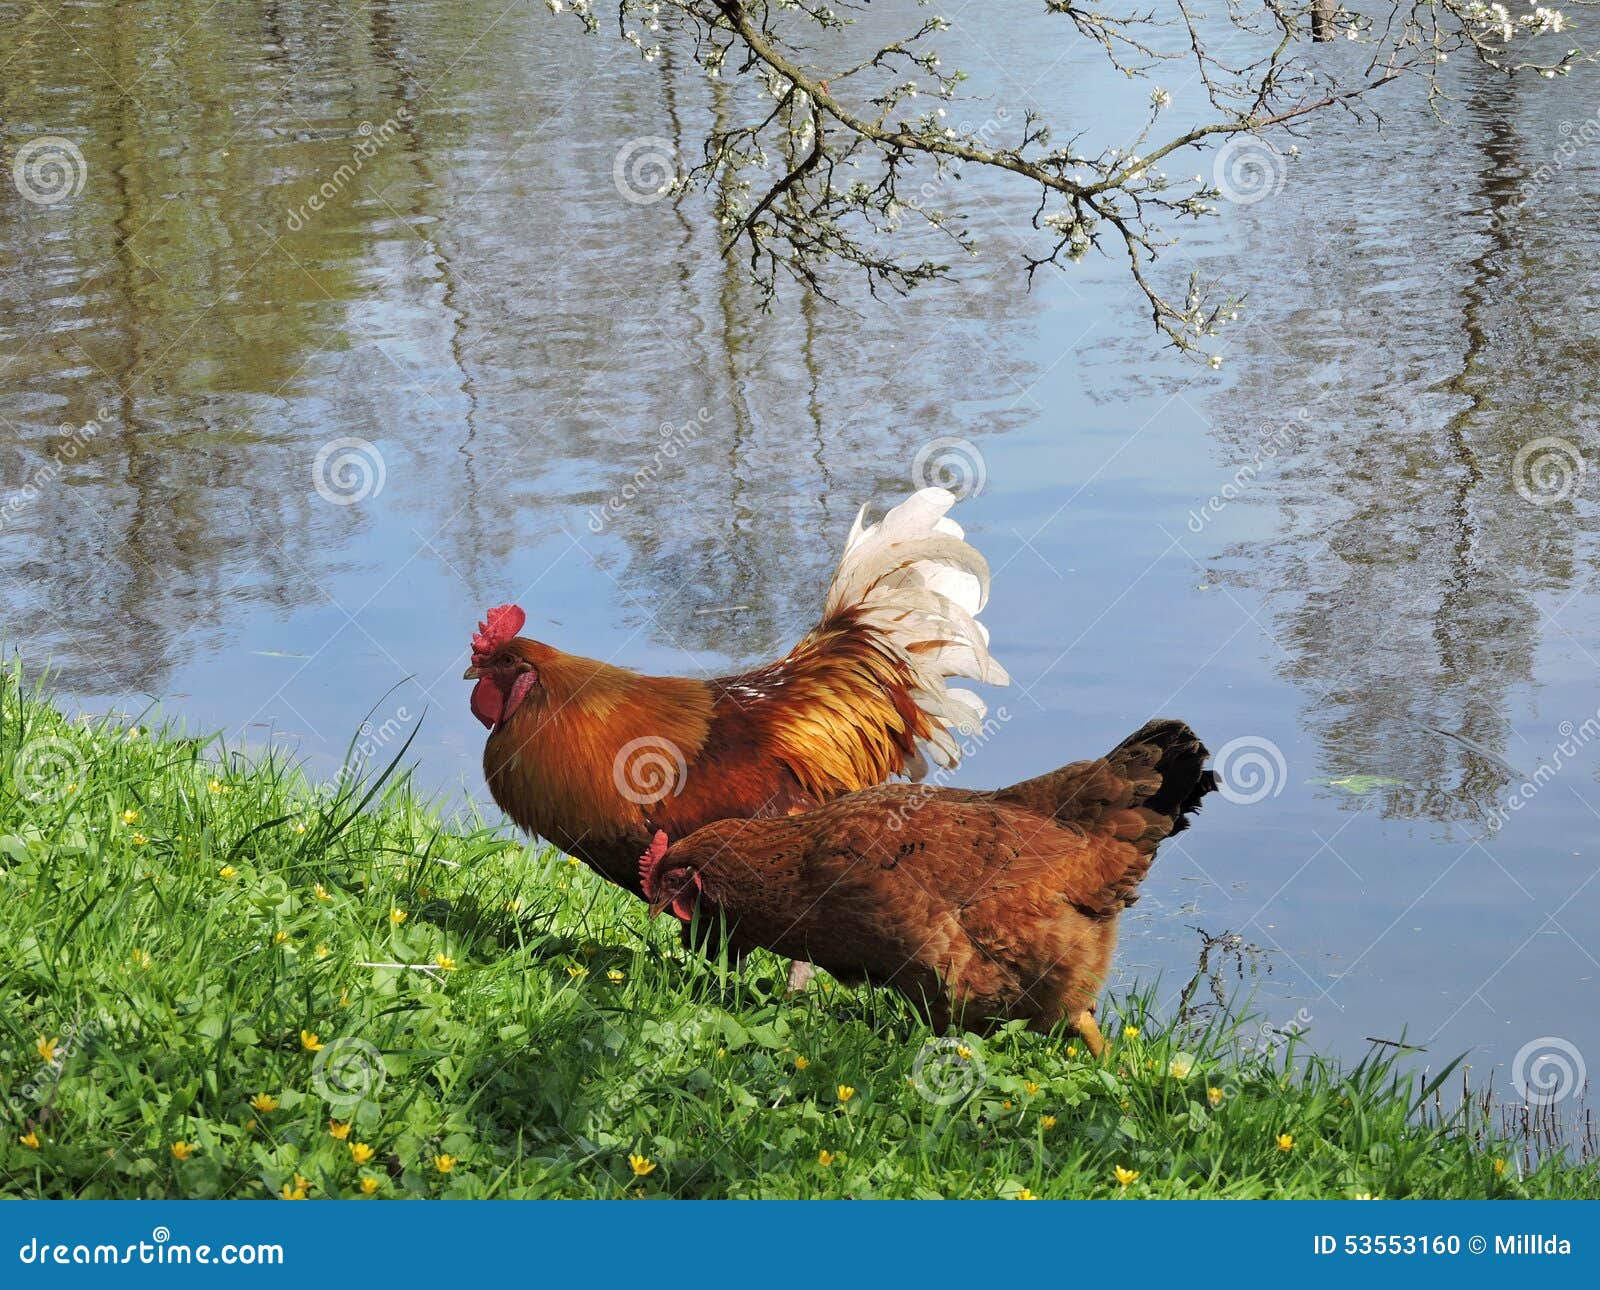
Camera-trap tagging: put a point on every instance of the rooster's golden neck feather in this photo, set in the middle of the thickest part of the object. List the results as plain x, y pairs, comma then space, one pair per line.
597, 744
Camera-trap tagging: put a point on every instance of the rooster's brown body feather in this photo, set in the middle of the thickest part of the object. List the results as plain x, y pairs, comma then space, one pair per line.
596, 759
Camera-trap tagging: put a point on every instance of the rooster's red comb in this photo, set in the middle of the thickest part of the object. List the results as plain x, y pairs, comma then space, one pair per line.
499, 625
650, 859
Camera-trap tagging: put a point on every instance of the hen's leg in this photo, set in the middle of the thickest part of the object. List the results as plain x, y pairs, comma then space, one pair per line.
800, 974
1085, 1024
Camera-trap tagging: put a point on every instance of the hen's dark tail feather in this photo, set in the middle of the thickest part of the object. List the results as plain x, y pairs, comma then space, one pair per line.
1159, 770
1179, 762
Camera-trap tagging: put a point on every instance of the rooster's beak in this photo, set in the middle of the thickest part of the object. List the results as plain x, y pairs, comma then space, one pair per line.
471, 674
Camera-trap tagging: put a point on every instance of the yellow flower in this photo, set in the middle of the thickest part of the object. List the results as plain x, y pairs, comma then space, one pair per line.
641, 1165
801, 1062
398, 916
279, 936
1025, 1194
182, 1150
30, 1139
322, 893
513, 906
825, 1158
339, 1130
1071, 1051
1130, 1032
1006, 1105
1125, 1176
573, 862
215, 786
1030, 1088
369, 1184
360, 1152
299, 827
139, 839
963, 1052
310, 1042
1180, 1066
1363, 1195
1047, 1121
616, 976
445, 963
46, 1048
444, 1164
293, 1193
577, 971
142, 959
846, 1092
227, 871
264, 1102
322, 951
344, 997
1499, 1166
1285, 1142
1214, 1096
130, 816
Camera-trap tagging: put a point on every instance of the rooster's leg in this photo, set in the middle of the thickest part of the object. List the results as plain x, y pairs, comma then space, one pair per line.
1085, 1024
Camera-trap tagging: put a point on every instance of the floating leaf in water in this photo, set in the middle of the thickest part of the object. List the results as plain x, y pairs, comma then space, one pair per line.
1358, 783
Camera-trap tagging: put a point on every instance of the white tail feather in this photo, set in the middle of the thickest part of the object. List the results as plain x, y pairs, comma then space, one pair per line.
921, 585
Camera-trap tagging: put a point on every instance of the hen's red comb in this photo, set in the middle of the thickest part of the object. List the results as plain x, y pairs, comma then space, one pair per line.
650, 859
499, 625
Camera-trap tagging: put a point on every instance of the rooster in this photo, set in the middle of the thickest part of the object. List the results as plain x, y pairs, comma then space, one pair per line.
596, 759
979, 907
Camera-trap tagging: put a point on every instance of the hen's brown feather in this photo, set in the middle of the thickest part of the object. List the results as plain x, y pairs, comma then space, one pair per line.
977, 906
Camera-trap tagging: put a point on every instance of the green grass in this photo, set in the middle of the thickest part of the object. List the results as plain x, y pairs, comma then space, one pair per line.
182, 920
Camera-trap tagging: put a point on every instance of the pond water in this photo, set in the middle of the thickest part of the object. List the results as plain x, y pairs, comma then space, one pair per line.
1320, 550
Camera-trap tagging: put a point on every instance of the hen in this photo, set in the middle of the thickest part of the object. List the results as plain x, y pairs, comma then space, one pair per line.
595, 759
979, 907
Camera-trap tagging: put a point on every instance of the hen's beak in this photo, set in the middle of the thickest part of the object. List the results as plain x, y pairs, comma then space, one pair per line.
471, 674
658, 906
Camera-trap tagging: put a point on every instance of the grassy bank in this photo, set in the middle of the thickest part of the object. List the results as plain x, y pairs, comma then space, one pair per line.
221, 980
